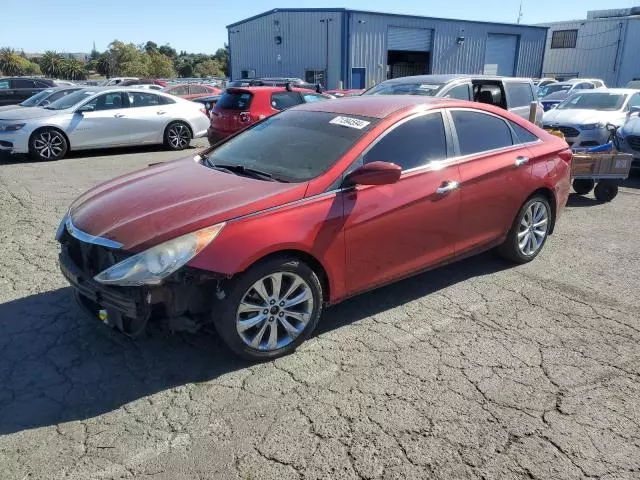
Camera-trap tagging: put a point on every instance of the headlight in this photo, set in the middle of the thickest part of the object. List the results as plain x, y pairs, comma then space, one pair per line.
11, 127
591, 126
152, 266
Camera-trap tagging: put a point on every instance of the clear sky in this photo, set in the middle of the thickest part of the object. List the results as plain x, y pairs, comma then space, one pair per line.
199, 25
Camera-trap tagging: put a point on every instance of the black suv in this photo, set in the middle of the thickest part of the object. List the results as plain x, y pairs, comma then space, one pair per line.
16, 89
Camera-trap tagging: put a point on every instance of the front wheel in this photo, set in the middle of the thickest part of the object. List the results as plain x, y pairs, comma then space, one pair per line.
270, 309
529, 231
48, 144
177, 136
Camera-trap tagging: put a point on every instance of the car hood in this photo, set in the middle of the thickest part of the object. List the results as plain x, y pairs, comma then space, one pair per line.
632, 126
28, 113
580, 117
6, 108
164, 201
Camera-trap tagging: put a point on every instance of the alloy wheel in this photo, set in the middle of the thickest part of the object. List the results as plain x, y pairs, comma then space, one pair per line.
49, 145
274, 311
533, 228
178, 136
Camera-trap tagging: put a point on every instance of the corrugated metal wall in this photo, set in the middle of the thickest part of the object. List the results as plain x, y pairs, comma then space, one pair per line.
629, 63
304, 42
303, 47
368, 33
596, 55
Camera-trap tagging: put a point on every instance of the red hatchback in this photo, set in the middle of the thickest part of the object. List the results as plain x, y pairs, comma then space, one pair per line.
307, 208
238, 108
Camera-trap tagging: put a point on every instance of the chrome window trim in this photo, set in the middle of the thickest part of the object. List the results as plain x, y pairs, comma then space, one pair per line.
88, 238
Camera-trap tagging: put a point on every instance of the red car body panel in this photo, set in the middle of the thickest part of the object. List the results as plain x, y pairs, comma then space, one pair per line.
362, 237
227, 122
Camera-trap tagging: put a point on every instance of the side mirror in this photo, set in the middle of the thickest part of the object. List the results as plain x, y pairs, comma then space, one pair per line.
611, 127
85, 108
374, 173
635, 109
45, 103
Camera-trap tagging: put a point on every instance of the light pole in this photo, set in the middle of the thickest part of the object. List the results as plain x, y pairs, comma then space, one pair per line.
326, 68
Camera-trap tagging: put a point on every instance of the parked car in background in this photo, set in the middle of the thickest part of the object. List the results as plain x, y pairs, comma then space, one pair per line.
100, 117
208, 102
339, 93
510, 93
554, 94
190, 91
148, 83
307, 208
14, 90
543, 82
114, 81
276, 82
635, 84
583, 117
148, 86
238, 108
64, 83
43, 98
628, 135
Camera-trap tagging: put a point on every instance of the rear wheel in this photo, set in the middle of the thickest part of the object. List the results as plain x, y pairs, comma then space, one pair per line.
529, 231
270, 309
177, 136
583, 186
48, 144
606, 191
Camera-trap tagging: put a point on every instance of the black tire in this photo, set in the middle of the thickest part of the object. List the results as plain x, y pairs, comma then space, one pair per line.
225, 312
510, 248
606, 191
177, 136
48, 144
582, 186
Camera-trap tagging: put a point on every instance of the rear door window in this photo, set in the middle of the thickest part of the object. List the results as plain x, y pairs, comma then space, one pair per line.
412, 144
181, 90
197, 89
143, 99
461, 92
519, 94
284, 100
234, 101
23, 83
522, 134
479, 132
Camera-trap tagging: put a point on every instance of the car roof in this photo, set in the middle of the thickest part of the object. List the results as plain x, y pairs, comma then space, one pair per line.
628, 91
269, 89
454, 76
381, 106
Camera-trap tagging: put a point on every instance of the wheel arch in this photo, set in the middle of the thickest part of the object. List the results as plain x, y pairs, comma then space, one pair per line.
177, 120
51, 127
306, 257
551, 198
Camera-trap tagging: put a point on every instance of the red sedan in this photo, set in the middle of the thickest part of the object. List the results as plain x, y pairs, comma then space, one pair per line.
309, 207
238, 108
192, 90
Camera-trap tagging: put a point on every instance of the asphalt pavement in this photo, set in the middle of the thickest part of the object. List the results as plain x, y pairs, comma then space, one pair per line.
476, 370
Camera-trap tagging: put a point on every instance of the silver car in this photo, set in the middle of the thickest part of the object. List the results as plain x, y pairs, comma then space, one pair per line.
43, 98
554, 94
583, 117
99, 117
629, 135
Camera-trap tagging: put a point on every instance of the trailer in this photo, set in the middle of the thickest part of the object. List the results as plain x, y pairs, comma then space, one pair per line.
600, 172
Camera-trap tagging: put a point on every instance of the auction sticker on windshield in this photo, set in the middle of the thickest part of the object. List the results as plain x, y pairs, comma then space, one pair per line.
350, 122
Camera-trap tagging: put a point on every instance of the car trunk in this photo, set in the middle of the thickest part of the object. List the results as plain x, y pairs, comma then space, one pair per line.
231, 112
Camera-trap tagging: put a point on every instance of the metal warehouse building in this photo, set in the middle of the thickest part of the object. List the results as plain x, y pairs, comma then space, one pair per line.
359, 48
604, 46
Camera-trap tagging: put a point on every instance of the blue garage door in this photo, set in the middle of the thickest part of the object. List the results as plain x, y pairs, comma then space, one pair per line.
500, 54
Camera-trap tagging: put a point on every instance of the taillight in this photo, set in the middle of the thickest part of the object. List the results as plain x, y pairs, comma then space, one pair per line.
245, 117
566, 155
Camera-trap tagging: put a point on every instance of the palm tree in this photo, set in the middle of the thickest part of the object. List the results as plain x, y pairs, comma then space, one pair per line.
9, 61
51, 63
72, 69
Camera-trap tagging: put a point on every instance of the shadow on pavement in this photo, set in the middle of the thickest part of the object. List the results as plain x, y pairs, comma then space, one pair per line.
576, 200
58, 365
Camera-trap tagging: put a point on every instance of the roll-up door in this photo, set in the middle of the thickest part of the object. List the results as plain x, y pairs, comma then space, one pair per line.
409, 39
500, 54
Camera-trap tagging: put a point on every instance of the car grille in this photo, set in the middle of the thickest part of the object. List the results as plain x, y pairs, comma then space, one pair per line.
566, 131
90, 258
634, 142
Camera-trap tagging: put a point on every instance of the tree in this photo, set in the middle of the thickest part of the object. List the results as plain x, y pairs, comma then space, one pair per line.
127, 60
50, 63
160, 66
9, 61
72, 69
222, 56
28, 67
209, 68
168, 51
151, 47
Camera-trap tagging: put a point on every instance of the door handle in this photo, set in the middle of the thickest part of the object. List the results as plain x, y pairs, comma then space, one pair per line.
521, 161
447, 187
119, 115
161, 112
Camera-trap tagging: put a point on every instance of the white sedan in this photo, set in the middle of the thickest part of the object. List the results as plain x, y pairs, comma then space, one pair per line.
98, 117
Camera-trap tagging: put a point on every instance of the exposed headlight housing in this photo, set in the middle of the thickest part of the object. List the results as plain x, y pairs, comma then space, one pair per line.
153, 265
592, 126
11, 127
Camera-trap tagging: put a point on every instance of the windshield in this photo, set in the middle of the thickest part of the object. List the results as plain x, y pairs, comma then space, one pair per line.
35, 99
426, 89
607, 102
70, 100
553, 88
293, 146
